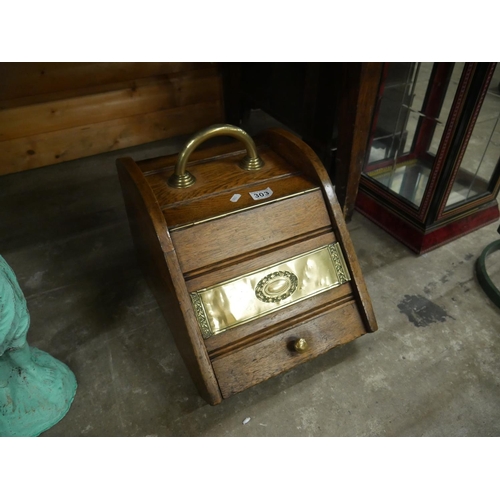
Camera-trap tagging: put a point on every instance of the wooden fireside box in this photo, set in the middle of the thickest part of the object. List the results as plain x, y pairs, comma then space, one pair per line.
247, 252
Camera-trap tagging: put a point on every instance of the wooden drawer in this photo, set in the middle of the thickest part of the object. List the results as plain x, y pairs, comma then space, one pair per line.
250, 365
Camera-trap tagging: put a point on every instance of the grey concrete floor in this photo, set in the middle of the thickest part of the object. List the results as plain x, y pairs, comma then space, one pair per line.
432, 368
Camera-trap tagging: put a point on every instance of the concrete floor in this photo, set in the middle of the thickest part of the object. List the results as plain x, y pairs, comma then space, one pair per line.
432, 368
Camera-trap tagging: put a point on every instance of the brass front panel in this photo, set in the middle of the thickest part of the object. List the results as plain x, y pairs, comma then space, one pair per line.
253, 295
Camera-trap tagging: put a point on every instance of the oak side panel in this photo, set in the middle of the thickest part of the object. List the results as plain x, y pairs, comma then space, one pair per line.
158, 260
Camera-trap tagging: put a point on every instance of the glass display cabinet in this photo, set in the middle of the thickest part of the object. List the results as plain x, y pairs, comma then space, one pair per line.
432, 171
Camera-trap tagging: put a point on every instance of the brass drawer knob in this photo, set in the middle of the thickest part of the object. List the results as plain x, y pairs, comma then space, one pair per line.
300, 346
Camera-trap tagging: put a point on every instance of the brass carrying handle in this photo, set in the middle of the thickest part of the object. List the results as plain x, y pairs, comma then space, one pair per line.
182, 179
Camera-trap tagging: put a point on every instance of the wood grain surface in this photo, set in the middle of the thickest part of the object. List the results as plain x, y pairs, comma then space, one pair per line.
62, 145
140, 96
241, 233
254, 364
234, 200
37, 78
219, 175
55, 112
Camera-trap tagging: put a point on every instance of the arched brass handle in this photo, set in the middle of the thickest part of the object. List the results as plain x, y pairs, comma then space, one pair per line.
300, 346
182, 179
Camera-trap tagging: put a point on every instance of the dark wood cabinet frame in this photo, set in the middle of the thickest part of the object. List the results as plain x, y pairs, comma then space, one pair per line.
431, 224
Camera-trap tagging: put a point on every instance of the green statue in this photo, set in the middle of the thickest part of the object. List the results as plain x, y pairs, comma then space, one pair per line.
36, 390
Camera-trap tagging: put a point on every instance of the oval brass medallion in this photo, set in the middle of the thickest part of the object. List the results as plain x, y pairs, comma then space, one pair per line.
276, 286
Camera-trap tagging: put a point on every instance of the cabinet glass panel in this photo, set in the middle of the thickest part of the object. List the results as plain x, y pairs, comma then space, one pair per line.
444, 112
390, 128
413, 109
483, 150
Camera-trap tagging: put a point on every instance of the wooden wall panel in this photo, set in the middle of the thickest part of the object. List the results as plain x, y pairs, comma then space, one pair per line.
26, 79
68, 144
143, 96
82, 109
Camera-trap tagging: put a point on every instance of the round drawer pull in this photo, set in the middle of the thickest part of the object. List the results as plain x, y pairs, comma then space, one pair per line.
300, 346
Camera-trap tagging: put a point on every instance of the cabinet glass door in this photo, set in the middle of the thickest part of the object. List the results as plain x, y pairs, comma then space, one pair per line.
413, 108
482, 154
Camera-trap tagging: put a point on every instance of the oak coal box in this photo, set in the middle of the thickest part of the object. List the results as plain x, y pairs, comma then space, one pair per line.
246, 249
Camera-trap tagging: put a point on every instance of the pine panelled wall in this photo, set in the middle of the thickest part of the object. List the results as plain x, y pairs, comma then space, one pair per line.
55, 112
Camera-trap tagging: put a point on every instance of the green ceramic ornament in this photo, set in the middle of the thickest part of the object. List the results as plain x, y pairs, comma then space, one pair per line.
36, 390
